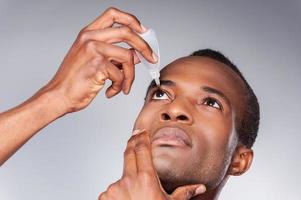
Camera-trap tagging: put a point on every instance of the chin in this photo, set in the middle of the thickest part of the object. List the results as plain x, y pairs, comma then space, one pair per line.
169, 169
174, 170
163, 162
167, 175
166, 159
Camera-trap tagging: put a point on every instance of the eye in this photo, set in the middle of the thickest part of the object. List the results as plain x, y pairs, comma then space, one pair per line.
212, 102
159, 95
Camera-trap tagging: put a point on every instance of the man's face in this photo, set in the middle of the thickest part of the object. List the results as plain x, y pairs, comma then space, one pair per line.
191, 121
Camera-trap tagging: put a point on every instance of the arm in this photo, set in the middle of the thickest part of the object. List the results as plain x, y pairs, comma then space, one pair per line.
19, 124
92, 59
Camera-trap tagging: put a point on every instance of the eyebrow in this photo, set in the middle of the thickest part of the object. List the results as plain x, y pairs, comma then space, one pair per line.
217, 92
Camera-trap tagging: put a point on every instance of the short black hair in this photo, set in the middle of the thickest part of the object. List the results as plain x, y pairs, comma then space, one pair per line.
247, 125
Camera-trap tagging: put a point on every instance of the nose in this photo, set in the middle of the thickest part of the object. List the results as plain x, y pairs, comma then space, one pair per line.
177, 111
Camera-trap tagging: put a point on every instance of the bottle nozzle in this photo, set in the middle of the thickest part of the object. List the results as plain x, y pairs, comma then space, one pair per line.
155, 74
151, 38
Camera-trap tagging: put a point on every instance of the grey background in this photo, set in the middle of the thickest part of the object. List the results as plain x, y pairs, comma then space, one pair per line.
79, 155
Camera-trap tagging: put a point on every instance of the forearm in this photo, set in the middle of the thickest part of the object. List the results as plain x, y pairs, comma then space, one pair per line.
19, 124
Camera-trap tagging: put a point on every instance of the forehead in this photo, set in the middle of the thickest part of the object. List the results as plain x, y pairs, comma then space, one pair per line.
197, 67
193, 72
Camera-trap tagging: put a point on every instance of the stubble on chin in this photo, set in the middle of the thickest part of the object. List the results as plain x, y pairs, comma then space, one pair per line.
173, 175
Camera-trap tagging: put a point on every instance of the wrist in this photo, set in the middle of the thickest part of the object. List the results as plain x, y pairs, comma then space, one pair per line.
52, 101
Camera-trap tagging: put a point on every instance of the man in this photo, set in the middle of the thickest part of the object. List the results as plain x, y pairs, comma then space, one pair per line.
200, 125
193, 131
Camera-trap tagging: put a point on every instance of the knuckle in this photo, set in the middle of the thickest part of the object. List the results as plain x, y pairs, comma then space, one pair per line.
90, 44
189, 193
117, 83
133, 18
117, 86
111, 11
90, 47
126, 31
112, 189
129, 55
83, 35
98, 61
126, 182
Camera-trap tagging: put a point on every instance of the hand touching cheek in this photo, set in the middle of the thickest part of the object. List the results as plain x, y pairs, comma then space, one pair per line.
140, 179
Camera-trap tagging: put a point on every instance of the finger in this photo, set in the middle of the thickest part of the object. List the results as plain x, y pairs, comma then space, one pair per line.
116, 76
113, 15
125, 57
103, 196
187, 192
136, 59
130, 162
143, 153
122, 34
130, 165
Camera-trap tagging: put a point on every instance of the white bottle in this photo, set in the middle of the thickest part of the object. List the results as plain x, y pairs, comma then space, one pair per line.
150, 37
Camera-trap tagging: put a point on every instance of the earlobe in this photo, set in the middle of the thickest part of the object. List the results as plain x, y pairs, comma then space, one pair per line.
241, 161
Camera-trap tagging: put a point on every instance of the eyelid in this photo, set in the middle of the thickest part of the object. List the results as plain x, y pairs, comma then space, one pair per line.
215, 99
155, 89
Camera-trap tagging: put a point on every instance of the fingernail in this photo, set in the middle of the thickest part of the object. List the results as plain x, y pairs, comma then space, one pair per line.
135, 132
155, 57
200, 190
138, 131
126, 91
143, 28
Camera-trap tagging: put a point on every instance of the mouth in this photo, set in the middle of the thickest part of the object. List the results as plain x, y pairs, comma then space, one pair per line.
171, 137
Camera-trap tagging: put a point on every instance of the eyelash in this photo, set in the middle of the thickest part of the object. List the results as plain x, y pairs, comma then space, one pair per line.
214, 100
157, 90
208, 98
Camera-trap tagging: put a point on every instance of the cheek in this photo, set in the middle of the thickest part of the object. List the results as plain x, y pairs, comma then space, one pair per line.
146, 117
211, 149
214, 131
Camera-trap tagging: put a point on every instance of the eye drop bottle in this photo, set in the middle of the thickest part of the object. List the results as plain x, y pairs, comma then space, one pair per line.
150, 37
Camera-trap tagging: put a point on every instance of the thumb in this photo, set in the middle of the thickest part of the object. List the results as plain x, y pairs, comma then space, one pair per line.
188, 191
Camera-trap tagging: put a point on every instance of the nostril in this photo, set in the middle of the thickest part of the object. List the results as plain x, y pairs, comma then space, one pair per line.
165, 116
182, 118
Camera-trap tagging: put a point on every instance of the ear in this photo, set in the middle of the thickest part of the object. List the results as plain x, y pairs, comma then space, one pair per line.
241, 161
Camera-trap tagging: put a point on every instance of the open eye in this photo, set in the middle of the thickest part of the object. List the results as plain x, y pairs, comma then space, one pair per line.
212, 102
159, 95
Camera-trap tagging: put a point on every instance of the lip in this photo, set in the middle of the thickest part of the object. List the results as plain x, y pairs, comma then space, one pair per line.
171, 136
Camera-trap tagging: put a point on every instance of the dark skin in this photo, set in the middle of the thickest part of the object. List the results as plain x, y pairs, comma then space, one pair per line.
205, 150
204, 99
